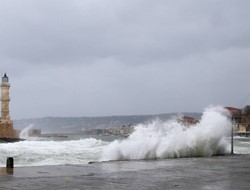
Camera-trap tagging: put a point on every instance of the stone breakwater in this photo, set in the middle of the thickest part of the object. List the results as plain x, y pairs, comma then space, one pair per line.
9, 140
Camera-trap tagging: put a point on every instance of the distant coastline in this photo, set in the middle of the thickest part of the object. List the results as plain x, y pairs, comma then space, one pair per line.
80, 124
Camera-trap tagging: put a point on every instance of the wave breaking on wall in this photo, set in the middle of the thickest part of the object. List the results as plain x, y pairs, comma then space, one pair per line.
173, 139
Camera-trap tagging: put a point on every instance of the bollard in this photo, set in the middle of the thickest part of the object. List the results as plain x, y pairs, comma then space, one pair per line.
10, 162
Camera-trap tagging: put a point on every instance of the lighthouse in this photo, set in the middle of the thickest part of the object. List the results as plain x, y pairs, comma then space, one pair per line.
6, 124
5, 86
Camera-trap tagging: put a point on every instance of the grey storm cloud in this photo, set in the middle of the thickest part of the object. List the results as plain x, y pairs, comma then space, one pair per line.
145, 31
111, 57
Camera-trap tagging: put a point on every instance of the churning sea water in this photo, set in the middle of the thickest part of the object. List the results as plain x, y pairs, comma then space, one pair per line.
155, 140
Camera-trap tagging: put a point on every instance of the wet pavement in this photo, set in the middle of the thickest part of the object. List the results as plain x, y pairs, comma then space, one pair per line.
222, 172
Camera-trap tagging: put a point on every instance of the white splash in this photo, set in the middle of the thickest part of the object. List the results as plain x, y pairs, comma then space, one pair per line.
24, 134
172, 139
155, 140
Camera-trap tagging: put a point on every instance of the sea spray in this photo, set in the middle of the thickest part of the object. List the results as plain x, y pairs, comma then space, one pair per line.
158, 139
173, 139
24, 134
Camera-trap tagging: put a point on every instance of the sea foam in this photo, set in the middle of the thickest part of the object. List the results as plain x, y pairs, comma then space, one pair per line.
155, 140
172, 139
38, 153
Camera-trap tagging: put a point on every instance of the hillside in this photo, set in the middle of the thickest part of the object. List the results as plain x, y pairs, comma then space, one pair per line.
74, 124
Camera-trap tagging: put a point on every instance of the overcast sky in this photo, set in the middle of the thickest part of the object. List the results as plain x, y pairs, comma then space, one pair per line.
123, 57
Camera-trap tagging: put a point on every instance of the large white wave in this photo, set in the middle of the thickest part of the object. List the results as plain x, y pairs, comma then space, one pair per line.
172, 139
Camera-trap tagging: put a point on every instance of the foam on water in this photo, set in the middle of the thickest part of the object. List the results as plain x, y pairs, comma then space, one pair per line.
155, 140
172, 139
242, 145
37, 153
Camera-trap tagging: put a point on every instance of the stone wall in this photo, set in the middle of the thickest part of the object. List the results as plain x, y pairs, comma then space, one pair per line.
6, 130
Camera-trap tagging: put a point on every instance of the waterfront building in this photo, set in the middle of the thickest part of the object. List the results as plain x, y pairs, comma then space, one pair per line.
241, 121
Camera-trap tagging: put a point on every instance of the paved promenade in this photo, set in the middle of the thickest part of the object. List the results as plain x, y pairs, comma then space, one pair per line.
223, 172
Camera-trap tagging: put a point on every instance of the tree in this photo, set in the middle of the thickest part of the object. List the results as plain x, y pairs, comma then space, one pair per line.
246, 110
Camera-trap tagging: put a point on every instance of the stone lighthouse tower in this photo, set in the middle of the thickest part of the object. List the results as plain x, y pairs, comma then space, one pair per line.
6, 124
